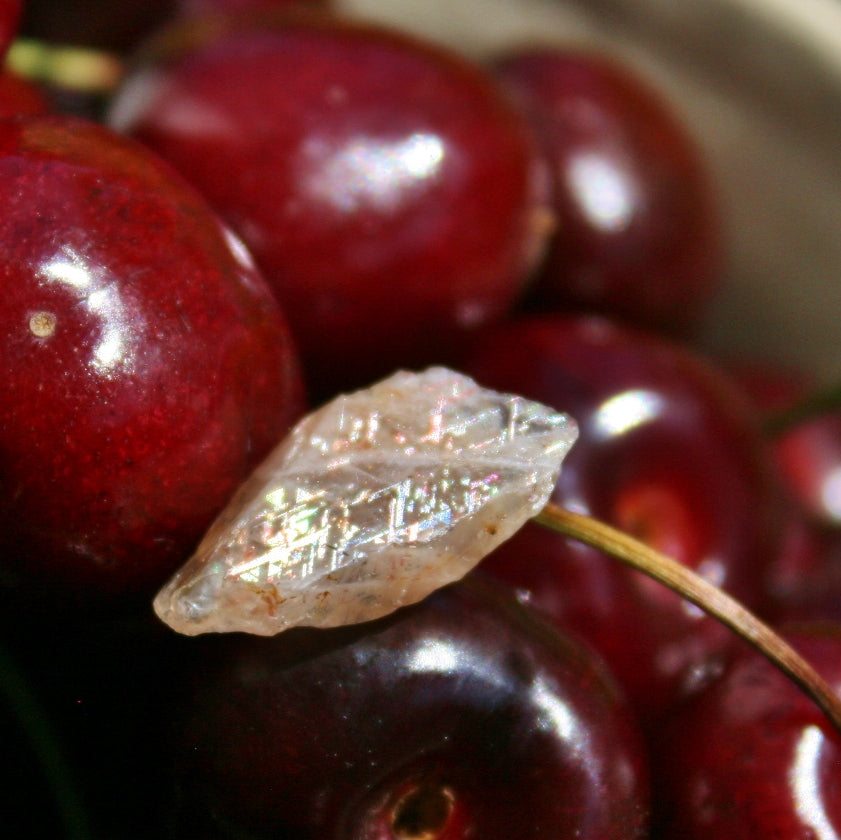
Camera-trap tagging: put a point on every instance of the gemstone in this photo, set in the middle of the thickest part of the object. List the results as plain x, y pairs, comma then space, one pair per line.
372, 502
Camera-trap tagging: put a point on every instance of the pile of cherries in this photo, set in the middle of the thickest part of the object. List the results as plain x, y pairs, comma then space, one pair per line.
278, 205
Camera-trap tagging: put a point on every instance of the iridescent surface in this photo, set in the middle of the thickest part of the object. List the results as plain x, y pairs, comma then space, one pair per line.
374, 501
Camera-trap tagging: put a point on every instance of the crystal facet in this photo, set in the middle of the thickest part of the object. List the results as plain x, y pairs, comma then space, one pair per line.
372, 502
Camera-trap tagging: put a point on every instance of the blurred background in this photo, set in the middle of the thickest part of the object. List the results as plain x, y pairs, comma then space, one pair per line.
758, 83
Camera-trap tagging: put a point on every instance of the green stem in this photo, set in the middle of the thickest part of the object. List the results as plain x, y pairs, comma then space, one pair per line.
700, 592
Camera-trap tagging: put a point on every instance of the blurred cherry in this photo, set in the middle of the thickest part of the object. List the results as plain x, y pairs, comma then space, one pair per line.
462, 716
19, 96
668, 453
202, 7
9, 19
750, 755
147, 366
390, 193
808, 452
637, 232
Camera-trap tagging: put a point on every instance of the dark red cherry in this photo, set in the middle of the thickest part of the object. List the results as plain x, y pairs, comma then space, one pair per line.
668, 453
19, 96
9, 18
751, 756
147, 367
637, 232
461, 717
808, 454
388, 190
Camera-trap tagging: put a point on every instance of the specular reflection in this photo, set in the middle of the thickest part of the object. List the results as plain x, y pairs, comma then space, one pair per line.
370, 170
604, 193
625, 412
805, 782
114, 352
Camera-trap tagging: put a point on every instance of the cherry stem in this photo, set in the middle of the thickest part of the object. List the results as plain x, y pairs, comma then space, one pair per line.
700, 592
815, 405
80, 69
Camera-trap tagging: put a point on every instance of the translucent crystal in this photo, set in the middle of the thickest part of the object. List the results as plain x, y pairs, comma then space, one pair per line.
372, 502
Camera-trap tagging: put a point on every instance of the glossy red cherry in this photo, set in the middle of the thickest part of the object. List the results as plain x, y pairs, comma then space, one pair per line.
458, 718
668, 453
147, 366
637, 232
390, 193
751, 756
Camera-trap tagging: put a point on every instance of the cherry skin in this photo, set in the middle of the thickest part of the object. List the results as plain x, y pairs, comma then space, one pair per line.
751, 756
666, 452
808, 455
637, 233
9, 19
389, 192
463, 716
20, 97
148, 367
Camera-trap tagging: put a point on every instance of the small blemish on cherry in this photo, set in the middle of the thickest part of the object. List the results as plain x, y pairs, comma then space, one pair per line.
42, 324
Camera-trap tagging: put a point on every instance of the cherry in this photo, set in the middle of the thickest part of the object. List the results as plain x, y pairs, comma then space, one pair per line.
637, 233
9, 18
148, 367
749, 756
808, 454
667, 451
463, 716
390, 193
19, 96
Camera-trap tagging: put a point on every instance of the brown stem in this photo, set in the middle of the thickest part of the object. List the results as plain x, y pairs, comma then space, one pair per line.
700, 592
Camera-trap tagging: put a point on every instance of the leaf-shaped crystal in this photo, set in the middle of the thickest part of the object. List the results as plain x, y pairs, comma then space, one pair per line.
372, 502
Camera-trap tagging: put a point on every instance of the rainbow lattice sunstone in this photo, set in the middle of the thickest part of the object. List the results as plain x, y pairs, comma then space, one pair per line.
371, 503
